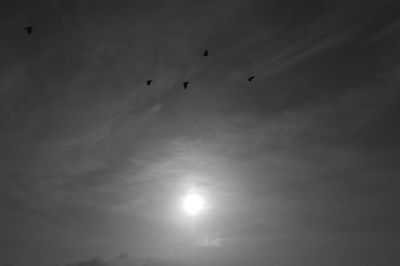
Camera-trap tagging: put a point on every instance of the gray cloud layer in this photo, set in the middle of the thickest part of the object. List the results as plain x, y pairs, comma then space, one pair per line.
303, 160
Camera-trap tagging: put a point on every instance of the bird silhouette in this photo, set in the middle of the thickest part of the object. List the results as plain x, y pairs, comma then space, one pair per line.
28, 29
251, 78
185, 84
148, 82
205, 53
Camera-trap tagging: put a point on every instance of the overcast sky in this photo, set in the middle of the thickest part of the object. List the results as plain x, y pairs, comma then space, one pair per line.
298, 167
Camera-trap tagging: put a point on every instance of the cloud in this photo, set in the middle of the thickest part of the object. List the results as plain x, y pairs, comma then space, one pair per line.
95, 261
210, 242
84, 138
125, 260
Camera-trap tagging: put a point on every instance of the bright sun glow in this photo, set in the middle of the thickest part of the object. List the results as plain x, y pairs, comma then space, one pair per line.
193, 204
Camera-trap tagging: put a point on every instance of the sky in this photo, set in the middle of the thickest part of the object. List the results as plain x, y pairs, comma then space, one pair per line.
297, 167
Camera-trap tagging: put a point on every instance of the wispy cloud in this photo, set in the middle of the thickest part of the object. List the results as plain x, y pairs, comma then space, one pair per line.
210, 242
125, 260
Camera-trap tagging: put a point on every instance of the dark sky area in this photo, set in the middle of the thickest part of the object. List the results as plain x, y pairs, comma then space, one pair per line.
298, 167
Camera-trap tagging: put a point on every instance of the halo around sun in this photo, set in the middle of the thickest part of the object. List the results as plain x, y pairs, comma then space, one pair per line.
193, 204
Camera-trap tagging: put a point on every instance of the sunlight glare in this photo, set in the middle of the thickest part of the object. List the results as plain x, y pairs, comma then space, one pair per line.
193, 204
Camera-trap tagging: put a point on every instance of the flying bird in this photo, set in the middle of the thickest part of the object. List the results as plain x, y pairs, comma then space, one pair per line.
148, 82
185, 84
251, 78
205, 53
28, 29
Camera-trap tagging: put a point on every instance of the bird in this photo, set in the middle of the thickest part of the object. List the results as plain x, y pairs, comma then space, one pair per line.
28, 29
185, 84
148, 82
205, 53
251, 78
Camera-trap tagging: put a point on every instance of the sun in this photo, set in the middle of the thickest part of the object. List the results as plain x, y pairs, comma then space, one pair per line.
193, 204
